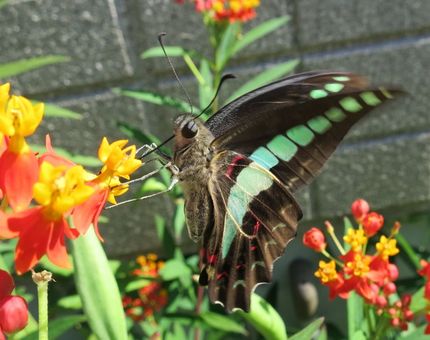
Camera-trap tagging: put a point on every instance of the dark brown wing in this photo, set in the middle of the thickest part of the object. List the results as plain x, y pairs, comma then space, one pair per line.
254, 219
292, 126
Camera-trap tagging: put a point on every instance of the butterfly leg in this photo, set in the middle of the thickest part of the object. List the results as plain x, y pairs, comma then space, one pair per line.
171, 186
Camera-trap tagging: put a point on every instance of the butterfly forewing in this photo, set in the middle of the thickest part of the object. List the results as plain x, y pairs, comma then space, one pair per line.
255, 217
294, 140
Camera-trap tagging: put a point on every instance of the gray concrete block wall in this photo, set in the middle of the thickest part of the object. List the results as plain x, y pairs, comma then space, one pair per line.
385, 158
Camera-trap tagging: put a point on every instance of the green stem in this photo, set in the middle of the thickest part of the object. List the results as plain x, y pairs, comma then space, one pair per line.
380, 330
410, 253
42, 295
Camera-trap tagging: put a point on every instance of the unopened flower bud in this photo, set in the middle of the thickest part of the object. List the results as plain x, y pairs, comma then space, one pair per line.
314, 239
360, 208
372, 222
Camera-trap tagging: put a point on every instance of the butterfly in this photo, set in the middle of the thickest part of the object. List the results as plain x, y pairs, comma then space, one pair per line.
240, 169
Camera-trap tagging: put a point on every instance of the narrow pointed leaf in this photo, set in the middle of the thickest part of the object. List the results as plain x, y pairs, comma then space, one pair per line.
225, 48
179, 218
17, 67
223, 323
265, 319
165, 236
98, 289
309, 331
158, 99
265, 77
171, 51
259, 32
151, 185
206, 89
52, 110
70, 302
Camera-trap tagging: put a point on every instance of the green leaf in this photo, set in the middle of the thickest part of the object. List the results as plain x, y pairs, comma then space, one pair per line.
225, 48
52, 110
223, 323
205, 89
70, 302
151, 185
59, 326
137, 284
97, 288
265, 77
309, 331
156, 98
418, 302
354, 305
165, 236
157, 51
409, 251
175, 269
179, 218
3, 2
416, 334
359, 335
259, 32
24, 65
265, 319
55, 269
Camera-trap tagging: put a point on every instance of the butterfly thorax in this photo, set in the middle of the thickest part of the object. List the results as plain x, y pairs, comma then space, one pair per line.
192, 156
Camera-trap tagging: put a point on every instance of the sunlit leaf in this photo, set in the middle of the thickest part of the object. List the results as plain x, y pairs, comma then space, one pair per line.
97, 288
14, 68
179, 218
259, 32
225, 48
418, 302
137, 284
264, 78
176, 269
265, 319
151, 185
309, 331
70, 302
205, 90
158, 99
52, 110
157, 51
223, 323
165, 236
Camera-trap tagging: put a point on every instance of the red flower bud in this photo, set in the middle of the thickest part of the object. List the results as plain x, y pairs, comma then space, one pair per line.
314, 239
409, 315
381, 301
359, 209
427, 290
13, 314
389, 288
393, 272
372, 222
406, 300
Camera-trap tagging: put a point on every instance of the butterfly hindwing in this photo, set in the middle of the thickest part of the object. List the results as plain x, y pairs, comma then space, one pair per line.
294, 127
254, 218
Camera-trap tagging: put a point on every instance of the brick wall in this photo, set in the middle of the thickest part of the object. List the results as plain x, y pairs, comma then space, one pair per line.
385, 158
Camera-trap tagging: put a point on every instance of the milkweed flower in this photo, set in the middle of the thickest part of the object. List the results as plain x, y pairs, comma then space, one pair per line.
119, 163
19, 118
43, 228
226, 10
13, 308
152, 297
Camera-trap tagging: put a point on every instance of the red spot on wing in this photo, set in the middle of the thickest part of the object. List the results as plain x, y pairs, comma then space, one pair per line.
257, 226
232, 164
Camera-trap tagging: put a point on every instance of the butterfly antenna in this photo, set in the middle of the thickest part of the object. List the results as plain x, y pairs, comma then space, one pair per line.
223, 79
160, 40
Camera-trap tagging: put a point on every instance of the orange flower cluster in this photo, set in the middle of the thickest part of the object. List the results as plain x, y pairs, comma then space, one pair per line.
58, 187
152, 297
371, 276
227, 10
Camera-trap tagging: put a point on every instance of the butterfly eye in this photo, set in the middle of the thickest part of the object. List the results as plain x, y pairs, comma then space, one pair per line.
190, 129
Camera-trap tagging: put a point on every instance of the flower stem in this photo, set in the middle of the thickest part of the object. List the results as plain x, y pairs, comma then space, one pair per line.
381, 329
41, 279
330, 231
410, 253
